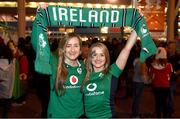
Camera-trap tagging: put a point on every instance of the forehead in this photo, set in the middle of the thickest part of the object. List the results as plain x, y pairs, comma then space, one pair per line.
97, 50
73, 40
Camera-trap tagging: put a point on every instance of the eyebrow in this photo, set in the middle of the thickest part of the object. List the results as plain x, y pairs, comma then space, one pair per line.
73, 44
93, 52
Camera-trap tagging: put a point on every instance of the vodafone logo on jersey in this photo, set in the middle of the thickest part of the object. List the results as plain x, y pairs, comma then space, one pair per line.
73, 80
92, 90
91, 87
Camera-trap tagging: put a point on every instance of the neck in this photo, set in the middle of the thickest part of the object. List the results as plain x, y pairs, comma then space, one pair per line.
71, 62
98, 69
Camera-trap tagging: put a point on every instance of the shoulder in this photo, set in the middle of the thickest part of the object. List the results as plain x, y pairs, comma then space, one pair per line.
169, 66
115, 70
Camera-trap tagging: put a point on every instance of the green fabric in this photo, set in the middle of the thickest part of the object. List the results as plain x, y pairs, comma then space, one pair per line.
115, 70
17, 89
54, 65
98, 93
123, 17
41, 45
74, 16
69, 105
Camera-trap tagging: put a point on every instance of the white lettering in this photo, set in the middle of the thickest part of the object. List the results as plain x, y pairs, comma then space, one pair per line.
93, 15
63, 12
54, 13
71, 86
81, 16
114, 16
95, 93
73, 13
106, 16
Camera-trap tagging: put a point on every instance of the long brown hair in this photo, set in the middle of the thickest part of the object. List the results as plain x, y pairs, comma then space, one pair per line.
62, 70
89, 66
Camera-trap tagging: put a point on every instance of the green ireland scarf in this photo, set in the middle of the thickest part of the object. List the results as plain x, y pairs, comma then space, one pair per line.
98, 17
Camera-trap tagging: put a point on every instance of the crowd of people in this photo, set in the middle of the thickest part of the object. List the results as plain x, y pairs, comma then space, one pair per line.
86, 76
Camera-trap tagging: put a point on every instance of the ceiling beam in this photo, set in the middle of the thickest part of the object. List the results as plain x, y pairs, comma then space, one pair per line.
122, 2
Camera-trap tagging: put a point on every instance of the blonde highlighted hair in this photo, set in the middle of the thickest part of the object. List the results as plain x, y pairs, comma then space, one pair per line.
89, 66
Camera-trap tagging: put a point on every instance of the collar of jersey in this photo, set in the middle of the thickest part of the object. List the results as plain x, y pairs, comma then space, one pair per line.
69, 66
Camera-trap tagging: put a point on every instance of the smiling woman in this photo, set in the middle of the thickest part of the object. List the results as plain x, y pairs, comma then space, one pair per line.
100, 83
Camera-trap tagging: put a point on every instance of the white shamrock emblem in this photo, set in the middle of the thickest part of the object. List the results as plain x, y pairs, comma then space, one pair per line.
143, 29
42, 42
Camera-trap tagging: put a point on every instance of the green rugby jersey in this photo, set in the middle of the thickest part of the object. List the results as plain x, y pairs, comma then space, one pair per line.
99, 93
70, 105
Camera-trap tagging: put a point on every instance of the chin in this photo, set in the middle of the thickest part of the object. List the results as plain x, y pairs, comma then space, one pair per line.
73, 58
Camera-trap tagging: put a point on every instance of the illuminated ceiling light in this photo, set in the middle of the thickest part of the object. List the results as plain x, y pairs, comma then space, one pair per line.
52, 3
61, 30
89, 5
70, 4
70, 30
129, 6
84, 39
80, 4
43, 4
114, 6
32, 18
112, 1
104, 30
61, 4
162, 39
8, 4
98, 5
127, 29
31, 5
140, 6
122, 6
107, 6
165, 9
104, 39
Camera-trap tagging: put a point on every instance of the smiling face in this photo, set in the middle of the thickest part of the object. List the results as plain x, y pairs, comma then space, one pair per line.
72, 49
98, 59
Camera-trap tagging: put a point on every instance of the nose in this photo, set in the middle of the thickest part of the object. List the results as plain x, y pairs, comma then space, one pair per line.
98, 57
72, 49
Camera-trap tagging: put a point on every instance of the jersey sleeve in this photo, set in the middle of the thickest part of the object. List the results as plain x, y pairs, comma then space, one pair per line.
40, 43
114, 69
